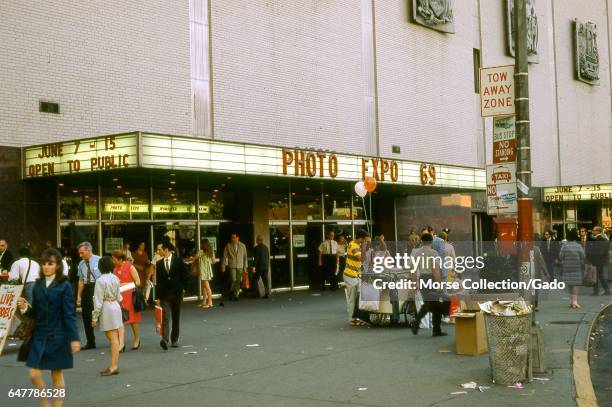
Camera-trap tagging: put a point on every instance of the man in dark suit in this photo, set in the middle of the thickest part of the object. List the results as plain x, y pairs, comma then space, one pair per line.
550, 251
6, 257
261, 264
172, 278
598, 255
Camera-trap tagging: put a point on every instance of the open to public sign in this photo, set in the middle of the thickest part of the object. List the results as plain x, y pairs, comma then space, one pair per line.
497, 91
504, 139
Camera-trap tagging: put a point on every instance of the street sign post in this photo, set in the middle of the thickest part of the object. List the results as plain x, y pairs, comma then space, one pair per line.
501, 189
504, 139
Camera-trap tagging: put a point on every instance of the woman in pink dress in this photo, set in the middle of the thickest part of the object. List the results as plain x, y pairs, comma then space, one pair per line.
127, 274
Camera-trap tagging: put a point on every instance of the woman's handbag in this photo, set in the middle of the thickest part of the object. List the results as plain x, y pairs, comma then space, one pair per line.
125, 314
245, 280
24, 349
138, 300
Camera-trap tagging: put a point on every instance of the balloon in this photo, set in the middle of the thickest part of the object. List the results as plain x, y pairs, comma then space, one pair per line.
360, 189
370, 184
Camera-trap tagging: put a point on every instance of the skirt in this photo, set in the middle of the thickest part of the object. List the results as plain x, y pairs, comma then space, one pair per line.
110, 318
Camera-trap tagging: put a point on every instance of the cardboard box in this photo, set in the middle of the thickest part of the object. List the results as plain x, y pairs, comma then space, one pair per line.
470, 334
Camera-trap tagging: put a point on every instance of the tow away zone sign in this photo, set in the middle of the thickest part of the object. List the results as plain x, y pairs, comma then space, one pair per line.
497, 91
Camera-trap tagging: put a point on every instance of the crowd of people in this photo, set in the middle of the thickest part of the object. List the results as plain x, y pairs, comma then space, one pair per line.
114, 289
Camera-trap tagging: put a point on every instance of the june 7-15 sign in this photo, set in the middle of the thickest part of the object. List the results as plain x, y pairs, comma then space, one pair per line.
88, 155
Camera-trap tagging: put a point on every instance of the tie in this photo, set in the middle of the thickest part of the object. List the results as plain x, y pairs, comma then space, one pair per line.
168, 264
88, 271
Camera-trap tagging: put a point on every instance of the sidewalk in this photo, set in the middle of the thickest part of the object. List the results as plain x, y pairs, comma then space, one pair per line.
307, 355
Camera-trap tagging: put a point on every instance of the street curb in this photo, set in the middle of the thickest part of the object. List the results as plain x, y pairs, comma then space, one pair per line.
581, 372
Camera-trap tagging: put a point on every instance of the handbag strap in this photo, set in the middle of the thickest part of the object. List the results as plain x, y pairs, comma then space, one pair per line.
27, 272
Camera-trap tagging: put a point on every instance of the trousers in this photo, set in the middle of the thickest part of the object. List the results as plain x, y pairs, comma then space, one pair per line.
171, 308
87, 308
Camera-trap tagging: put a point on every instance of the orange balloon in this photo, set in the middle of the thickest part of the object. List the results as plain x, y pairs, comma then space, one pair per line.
370, 183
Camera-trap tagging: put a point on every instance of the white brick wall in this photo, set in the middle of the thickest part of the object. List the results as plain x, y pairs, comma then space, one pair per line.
581, 136
425, 86
288, 72
584, 110
113, 66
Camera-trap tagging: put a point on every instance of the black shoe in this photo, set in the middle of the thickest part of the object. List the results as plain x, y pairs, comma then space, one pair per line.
175, 345
414, 327
89, 346
163, 344
266, 296
439, 334
136, 347
122, 350
221, 304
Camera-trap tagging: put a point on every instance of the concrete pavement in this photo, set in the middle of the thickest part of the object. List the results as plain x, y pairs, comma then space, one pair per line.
307, 355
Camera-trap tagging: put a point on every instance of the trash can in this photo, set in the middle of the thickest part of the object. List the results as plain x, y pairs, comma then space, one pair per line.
509, 340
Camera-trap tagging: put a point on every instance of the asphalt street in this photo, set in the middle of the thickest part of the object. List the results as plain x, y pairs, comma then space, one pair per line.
601, 359
296, 349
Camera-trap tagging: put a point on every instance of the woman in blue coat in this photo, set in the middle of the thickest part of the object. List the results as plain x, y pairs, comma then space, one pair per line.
56, 336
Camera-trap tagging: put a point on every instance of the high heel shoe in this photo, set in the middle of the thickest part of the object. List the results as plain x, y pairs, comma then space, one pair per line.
122, 350
136, 347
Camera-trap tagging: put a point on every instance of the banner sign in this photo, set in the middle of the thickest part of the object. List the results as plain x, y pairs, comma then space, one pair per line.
593, 192
80, 156
9, 294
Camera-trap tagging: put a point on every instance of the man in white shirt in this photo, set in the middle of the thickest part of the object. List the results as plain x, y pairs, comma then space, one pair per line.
26, 271
328, 261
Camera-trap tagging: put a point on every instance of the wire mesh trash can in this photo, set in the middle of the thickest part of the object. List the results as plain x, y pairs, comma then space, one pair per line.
509, 340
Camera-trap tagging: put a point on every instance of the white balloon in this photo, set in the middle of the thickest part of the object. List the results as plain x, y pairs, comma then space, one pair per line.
360, 189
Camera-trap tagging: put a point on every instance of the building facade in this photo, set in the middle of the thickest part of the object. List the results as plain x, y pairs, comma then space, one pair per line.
393, 81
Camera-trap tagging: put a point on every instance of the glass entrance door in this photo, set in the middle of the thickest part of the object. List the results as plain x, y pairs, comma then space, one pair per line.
120, 235
182, 235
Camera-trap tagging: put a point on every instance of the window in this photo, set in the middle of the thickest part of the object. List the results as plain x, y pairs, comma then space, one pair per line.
48, 107
476, 59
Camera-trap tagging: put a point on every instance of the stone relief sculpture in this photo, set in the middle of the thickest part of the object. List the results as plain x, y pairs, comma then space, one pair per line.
532, 30
587, 54
434, 14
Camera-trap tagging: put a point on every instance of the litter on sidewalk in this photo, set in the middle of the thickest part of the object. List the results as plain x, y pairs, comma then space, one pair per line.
482, 389
469, 385
458, 392
517, 386
253, 345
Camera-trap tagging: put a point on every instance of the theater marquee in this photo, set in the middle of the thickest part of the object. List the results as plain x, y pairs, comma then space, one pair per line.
147, 150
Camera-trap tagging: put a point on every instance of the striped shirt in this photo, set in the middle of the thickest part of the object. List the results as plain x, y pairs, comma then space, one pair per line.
353, 260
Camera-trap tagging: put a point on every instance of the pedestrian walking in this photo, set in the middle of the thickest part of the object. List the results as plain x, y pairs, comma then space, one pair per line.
434, 300
235, 262
142, 263
88, 274
351, 275
598, 255
342, 248
107, 311
550, 251
572, 258
127, 274
328, 261
172, 278
261, 264
206, 258
56, 336
26, 271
